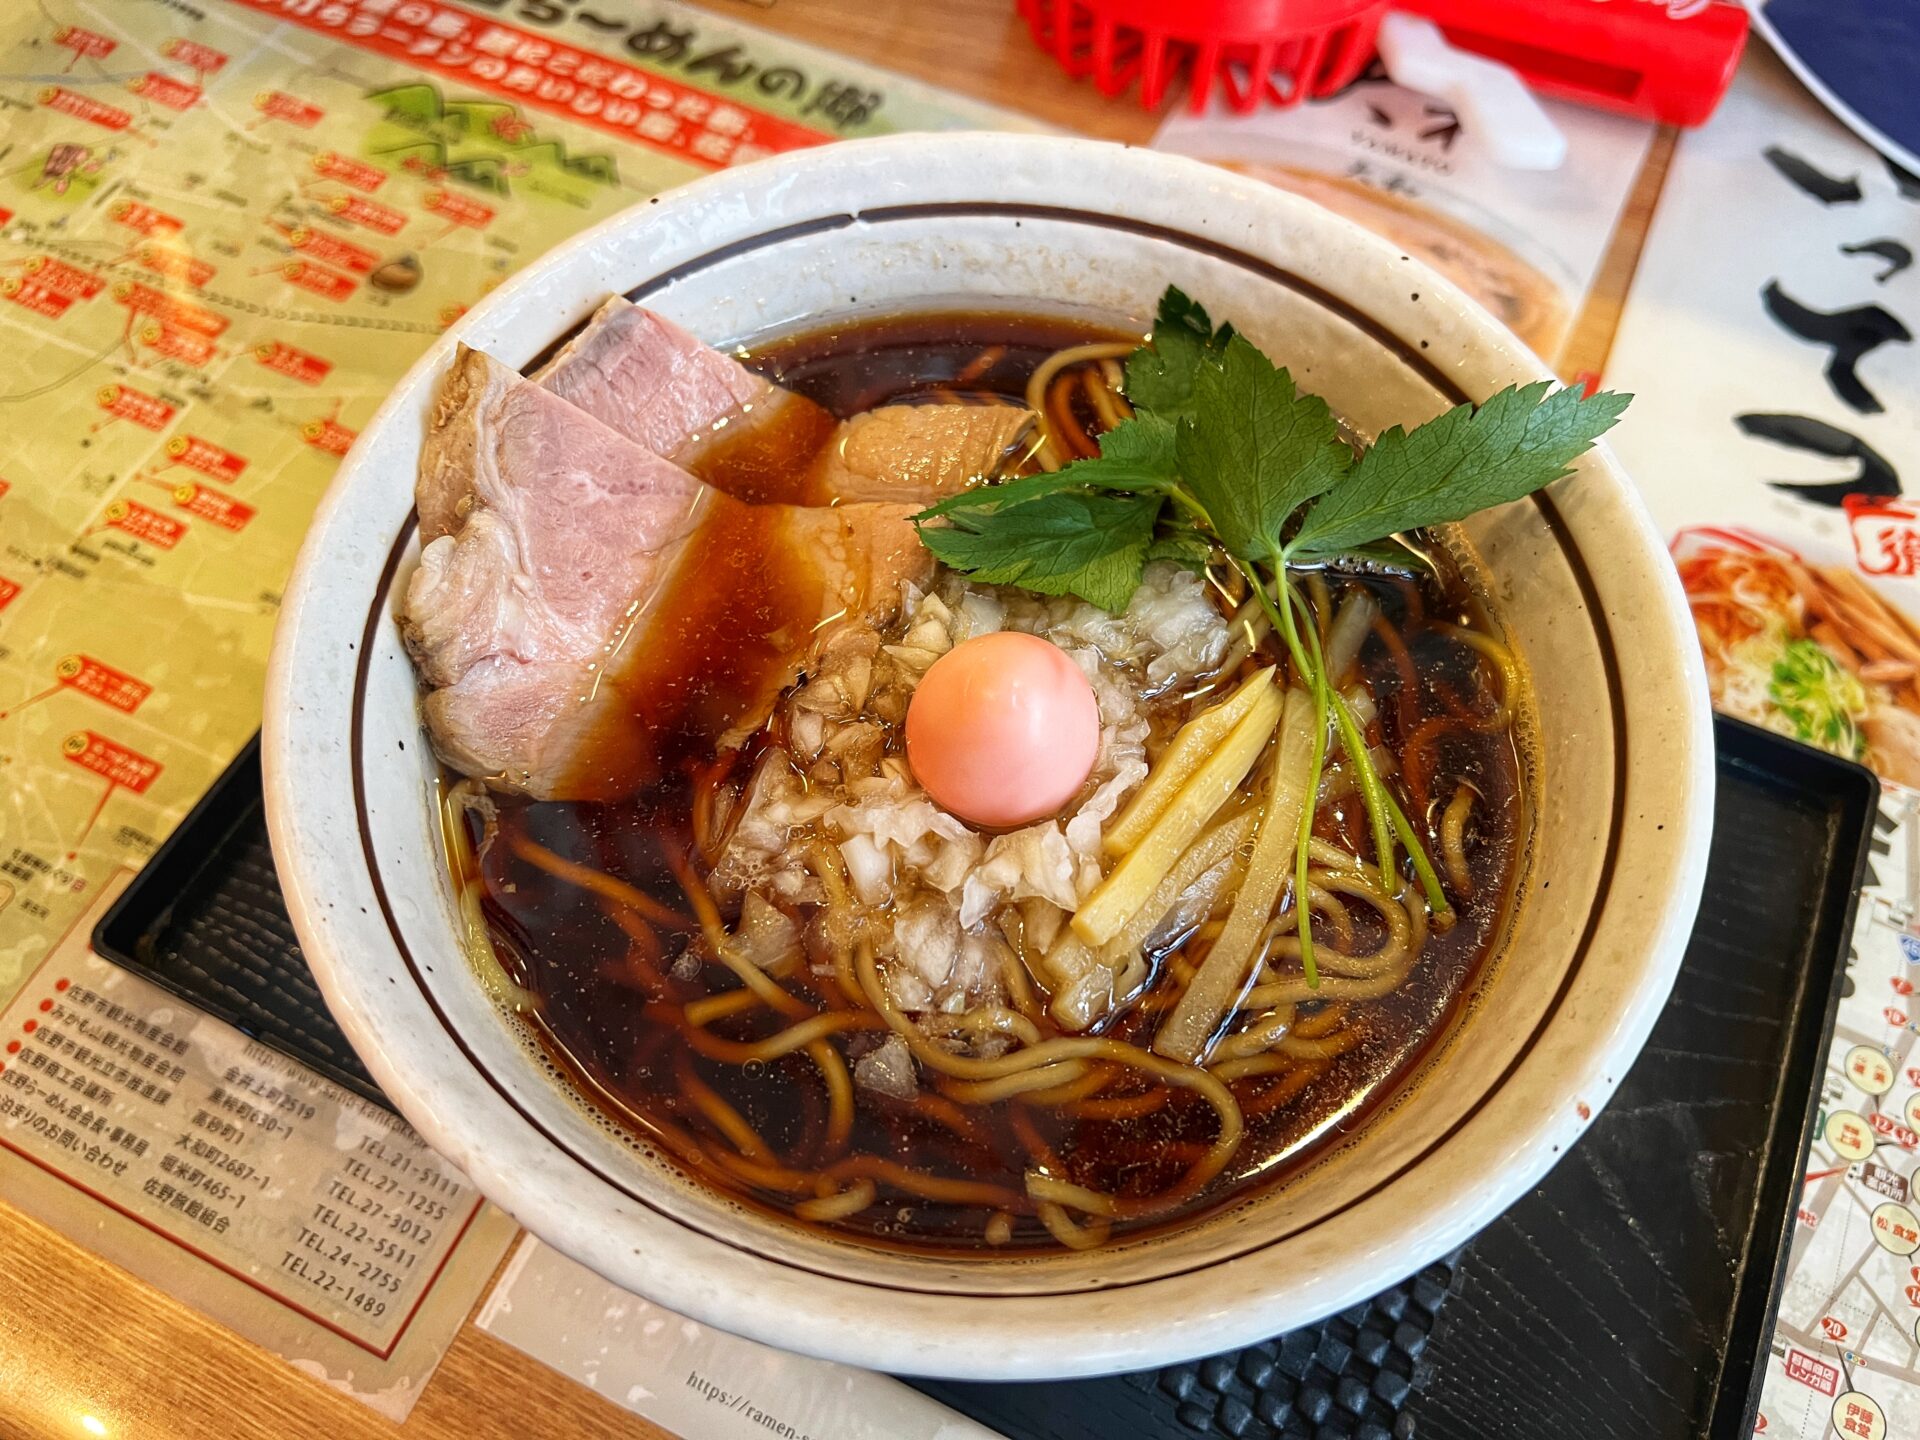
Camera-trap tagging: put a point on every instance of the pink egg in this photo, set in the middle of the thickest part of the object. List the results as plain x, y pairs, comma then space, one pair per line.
1003, 729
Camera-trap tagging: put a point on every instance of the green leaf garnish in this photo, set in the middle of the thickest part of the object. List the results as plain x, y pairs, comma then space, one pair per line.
1456, 464
1136, 455
1160, 378
1067, 543
1255, 449
1184, 547
1000, 495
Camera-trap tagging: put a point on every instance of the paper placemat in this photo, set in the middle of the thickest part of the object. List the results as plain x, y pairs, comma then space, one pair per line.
1768, 344
225, 232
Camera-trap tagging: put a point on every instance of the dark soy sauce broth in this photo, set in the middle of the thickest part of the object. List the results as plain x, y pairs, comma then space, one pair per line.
623, 1046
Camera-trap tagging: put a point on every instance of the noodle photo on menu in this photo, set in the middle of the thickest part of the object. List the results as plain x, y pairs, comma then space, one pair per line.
1807, 649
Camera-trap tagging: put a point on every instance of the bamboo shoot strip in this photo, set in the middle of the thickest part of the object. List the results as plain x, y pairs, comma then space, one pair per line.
1120, 896
1226, 973
1193, 887
1199, 738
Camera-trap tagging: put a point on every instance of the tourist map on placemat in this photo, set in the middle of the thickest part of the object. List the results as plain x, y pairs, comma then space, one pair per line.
1846, 1347
226, 229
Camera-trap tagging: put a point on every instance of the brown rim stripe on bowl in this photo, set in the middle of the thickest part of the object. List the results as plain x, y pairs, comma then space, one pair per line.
1408, 354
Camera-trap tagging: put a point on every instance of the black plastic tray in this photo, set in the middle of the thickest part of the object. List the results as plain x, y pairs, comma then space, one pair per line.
1632, 1296
1628, 1298
205, 918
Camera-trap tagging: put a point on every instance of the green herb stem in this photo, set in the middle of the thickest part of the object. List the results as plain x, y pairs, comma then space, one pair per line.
1197, 513
1373, 790
1303, 850
1281, 618
1437, 901
1383, 812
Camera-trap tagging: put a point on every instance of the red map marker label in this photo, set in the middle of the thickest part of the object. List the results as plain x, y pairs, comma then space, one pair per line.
175, 264
7, 591
123, 402
203, 58
331, 249
144, 523
318, 279
1812, 1371
58, 97
182, 345
85, 42
458, 209
206, 457
111, 760
328, 435
65, 279
170, 310
32, 295
1893, 1130
210, 504
121, 768
348, 171
370, 213
100, 681
288, 360
165, 90
278, 105
144, 218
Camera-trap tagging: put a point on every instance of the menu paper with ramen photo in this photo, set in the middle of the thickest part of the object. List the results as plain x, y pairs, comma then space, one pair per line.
1525, 244
1776, 418
225, 232
1768, 342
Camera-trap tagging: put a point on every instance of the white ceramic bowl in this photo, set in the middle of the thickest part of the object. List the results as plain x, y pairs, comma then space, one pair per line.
1623, 798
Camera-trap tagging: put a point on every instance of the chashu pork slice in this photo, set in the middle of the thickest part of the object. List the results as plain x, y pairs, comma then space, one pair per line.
596, 613
917, 453
642, 375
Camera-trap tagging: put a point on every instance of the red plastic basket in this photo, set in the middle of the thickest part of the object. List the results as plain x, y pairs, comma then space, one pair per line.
1259, 52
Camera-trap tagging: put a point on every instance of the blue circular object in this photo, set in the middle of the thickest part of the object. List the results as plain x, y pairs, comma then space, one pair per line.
1859, 57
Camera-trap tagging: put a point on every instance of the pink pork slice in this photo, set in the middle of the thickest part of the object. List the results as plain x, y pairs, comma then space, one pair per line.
642, 375
586, 612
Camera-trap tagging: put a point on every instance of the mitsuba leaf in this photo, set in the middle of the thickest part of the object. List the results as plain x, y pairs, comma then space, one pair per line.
1160, 376
1456, 464
1136, 454
1184, 547
1067, 543
1255, 449
1000, 495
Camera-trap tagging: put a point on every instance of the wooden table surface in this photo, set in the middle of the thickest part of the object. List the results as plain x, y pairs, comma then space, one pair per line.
81, 1336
